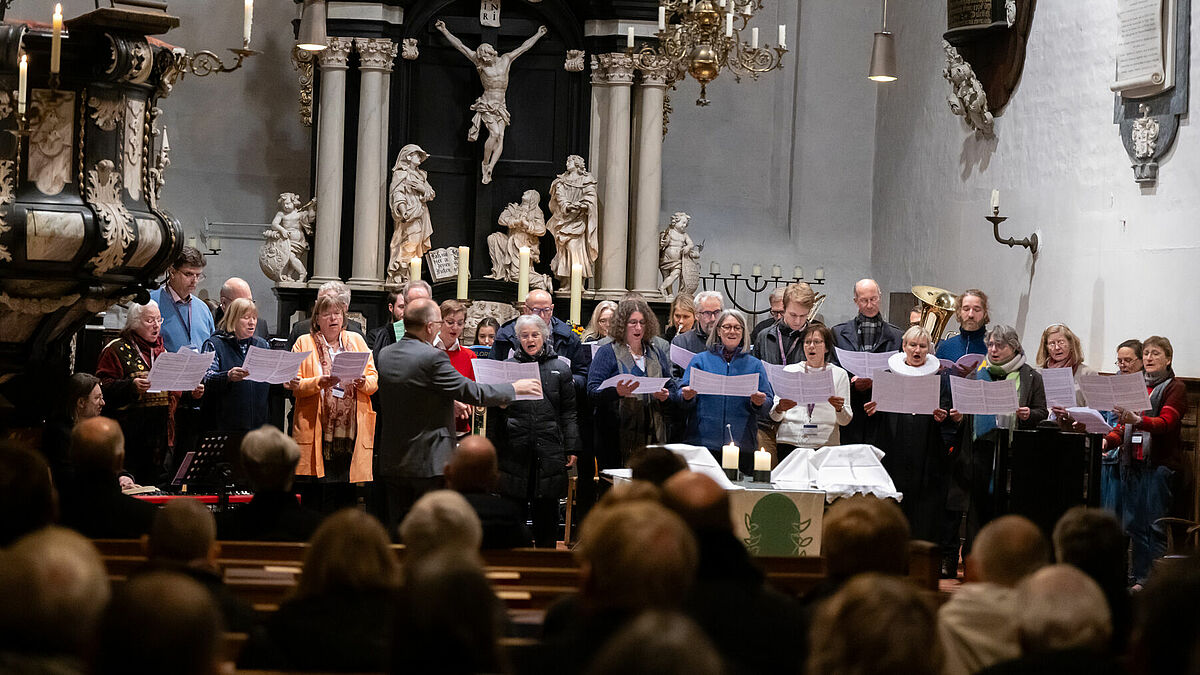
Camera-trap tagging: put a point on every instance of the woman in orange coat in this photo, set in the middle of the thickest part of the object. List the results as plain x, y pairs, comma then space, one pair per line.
334, 424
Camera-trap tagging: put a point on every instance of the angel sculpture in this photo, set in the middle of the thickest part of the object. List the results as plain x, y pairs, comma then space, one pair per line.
285, 244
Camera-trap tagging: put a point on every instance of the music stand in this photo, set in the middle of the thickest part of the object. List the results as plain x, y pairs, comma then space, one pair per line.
215, 464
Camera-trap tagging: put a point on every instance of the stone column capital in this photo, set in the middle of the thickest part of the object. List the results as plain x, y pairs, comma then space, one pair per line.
613, 68
376, 53
334, 57
657, 75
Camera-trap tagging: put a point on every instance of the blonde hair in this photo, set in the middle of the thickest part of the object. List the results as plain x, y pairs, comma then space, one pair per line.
801, 293
1043, 352
349, 551
237, 310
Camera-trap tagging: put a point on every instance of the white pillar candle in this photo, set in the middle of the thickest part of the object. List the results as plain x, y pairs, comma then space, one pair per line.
23, 84
819, 275
776, 271
783, 36
214, 243
798, 272
729, 456
629, 38
662, 17
721, 4
762, 460
735, 269
248, 21
523, 276
56, 23
756, 270
754, 37
414, 269
995, 199
191, 242
749, 10
729, 25
464, 266
576, 293
715, 267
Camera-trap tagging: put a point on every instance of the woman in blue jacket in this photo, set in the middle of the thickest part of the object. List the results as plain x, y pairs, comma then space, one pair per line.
728, 354
233, 403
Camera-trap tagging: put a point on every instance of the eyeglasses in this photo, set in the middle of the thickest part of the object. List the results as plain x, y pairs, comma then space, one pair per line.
777, 313
709, 315
198, 276
1057, 343
152, 322
542, 311
1125, 362
635, 322
452, 323
814, 342
732, 328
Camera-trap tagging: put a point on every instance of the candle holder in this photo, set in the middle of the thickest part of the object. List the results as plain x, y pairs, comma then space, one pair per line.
756, 284
205, 62
733, 474
1030, 242
762, 476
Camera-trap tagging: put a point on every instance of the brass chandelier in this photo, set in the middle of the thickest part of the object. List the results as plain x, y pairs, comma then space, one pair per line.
703, 37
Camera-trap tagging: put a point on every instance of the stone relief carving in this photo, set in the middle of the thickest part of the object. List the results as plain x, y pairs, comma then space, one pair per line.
158, 172
409, 50
967, 98
574, 221
37, 306
7, 194
302, 62
525, 224
480, 309
574, 61
678, 257
285, 244
106, 112
1010, 12
50, 139
104, 194
1145, 134
408, 195
6, 104
135, 128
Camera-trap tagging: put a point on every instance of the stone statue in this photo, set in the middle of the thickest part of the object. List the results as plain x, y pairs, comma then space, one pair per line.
678, 257
409, 50
1144, 134
408, 195
525, 224
574, 61
489, 108
574, 221
1010, 12
967, 97
285, 244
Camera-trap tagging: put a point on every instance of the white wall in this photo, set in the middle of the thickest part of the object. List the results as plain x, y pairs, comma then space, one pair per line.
1115, 262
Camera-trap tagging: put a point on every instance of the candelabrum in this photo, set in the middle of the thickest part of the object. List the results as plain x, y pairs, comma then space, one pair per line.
1030, 242
756, 283
205, 62
703, 37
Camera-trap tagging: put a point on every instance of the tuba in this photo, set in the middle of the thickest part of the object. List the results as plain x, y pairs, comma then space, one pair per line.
937, 308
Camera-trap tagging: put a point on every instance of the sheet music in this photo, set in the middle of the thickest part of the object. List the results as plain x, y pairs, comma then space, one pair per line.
181, 371
1125, 390
488, 371
680, 356
862, 364
979, 397
914, 394
349, 366
1060, 387
272, 366
1092, 421
645, 385
723, 385
799, 386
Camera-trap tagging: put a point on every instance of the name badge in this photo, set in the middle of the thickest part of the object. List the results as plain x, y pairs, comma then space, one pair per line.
338, 392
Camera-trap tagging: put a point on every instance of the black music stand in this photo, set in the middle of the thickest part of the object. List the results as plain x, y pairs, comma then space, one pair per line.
1042, 473
215, 465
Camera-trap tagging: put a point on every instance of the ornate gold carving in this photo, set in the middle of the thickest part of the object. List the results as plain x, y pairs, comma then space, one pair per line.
302, 62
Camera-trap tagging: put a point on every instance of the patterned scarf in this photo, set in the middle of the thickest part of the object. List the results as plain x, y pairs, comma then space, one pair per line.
870, 330
641, 415
339, 425
1009, 370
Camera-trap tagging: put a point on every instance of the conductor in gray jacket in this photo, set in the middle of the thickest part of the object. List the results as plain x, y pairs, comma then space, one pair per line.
417, 391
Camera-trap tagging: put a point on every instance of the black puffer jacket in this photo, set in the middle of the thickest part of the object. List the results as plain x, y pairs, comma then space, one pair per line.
533, 438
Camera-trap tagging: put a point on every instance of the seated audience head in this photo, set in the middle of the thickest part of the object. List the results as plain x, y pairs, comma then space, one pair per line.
144, 322
683, 313
1003, 344
972, 310
708, 308
1166, 622
441, 519
270, 457
602, 318
422, 318
1129, 356
658, 643
234, 288
541, 304
632, 491
1092, 540
864, 534
186, 271
730, 331
336, 290
635, 555
798, 300
241, 318
454, 319
349, 552
1007, 550
160, 620
1061, 609
83, 397
449, 619
98, 447
867, 297
473, 468
53, 586
1059, 345
876, 624
699, 500
185, 532
485, 332
28, 501
395, 306
417, 288
655, 464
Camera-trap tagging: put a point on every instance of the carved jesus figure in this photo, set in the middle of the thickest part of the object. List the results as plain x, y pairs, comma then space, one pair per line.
489, 108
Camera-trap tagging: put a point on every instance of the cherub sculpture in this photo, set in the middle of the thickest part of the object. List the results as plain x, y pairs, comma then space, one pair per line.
285, 244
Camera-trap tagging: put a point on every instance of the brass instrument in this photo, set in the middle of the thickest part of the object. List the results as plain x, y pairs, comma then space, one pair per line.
938, 306
818, 300
479, 420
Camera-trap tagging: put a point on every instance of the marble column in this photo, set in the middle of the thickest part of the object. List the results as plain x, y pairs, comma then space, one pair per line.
643, 273
375, 57
617, 72
331, 137
598, 127
384, 211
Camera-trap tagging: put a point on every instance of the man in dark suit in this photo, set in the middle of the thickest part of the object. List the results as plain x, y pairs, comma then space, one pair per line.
92, 502
866, 332
392, 331
274, 514
473, 471
417, 390
338, 290
566, 342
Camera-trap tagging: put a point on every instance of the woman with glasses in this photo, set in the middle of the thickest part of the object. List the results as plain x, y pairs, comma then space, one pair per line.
715, 418
454, 319
628, 418
144, 416
597, 328
1060, 348
913, 446
234, 403
813, 425
1150, 456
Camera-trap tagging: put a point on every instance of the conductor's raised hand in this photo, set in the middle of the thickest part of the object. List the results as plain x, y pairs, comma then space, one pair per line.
528, 387
542, 30
439, 24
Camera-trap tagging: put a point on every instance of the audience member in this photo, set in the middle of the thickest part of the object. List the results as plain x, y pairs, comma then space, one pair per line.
751, 625
441, 519
340, 619
160, 621
473, 471
28, 501
53, 586
1093, 541
93, 502
863, 534
655, 464
658, 643
274, 513
83, 397
978, 625
1166, 623
876, 625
